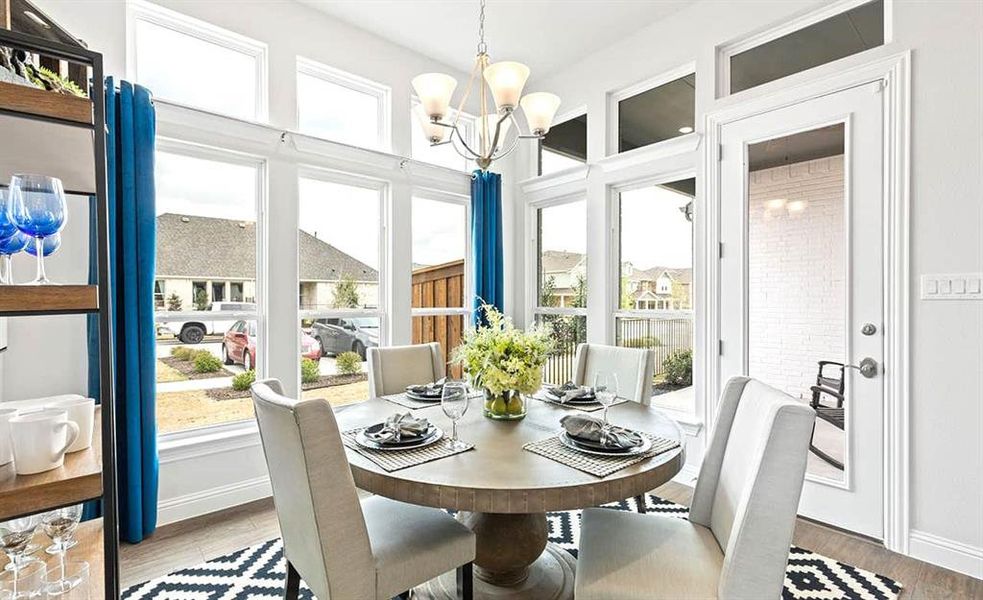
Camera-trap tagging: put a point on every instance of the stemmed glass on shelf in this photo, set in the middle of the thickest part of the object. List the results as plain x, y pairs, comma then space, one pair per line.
15, 539
60, 525
454, 402
606, 390
12, 240
37, 208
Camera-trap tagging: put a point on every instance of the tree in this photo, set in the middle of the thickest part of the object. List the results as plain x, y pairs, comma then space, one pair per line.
579, 293
627, 302
174, 302
346, 293
547, 294
201, 300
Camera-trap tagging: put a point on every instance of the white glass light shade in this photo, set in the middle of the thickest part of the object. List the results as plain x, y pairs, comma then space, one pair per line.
433, 132
506, 80
435, 91
540, 108
491, 120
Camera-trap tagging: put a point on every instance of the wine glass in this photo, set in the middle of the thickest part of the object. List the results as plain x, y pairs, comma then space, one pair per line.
454, 402
60, 525
37, 208
606, 390
10, 246
15, 538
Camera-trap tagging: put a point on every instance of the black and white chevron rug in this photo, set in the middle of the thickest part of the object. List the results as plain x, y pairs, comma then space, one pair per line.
258, 571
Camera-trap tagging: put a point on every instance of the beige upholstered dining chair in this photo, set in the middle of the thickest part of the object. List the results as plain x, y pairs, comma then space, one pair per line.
634, 367
736, 541
342, 548
392, 369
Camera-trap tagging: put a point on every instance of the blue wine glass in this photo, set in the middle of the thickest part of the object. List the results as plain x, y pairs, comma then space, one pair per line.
8, 247
37, 208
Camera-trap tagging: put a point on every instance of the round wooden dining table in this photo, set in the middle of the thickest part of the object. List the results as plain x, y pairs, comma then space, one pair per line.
503, 492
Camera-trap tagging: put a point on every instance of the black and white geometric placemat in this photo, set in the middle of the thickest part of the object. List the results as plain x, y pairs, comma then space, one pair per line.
258, 571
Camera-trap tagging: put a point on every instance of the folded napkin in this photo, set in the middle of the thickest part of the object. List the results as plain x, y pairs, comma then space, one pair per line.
399, 426
569, 391
428, 389
591, 429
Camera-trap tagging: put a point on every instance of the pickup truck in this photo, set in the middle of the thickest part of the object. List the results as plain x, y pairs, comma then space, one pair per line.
194, 331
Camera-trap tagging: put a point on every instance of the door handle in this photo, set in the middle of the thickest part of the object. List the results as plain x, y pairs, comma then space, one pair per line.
867, 367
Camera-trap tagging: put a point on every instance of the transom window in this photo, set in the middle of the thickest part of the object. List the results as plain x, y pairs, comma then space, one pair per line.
663, 111
342, 107
564, 146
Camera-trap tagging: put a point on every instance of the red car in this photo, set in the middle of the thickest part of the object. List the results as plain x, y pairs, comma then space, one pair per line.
239, 345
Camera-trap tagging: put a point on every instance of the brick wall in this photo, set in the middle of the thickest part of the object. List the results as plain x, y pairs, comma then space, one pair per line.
797, 272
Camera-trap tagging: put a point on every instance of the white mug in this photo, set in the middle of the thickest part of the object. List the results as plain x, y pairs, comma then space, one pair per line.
6, 454
40, 440
82, 412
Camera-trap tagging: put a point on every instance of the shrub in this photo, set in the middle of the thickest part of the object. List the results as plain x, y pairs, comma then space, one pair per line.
309, 371
678, 368
647, 341
182, 353
242, 381
174, 302
348, 363
206, 362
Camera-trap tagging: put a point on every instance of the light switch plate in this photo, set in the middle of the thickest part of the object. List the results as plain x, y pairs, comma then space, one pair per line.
955, 286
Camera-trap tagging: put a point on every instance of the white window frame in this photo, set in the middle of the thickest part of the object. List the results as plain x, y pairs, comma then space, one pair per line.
203, 152
615, 97
468, 287
725, 52
382, 311
141, 10
466, 124
382, 93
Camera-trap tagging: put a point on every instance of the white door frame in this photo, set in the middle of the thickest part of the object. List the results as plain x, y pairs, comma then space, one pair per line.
895, 72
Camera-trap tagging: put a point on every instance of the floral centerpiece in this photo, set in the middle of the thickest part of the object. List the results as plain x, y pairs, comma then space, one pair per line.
504, 361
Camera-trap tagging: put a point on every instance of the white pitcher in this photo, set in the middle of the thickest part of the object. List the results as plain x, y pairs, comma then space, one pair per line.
40, 440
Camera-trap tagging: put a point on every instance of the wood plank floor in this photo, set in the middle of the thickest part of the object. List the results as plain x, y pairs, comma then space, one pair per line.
194, 541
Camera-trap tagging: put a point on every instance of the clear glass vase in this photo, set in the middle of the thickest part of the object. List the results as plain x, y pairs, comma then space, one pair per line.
507, 406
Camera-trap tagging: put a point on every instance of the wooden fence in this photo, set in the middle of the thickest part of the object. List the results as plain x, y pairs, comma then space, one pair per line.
439, 286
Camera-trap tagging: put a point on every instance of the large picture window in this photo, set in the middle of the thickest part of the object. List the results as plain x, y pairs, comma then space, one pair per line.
340, 245
440, 278
655, 284
207, 206
561, 282
195, 63
342, 107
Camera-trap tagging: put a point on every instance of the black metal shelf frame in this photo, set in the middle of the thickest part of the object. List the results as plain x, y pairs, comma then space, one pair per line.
81, 55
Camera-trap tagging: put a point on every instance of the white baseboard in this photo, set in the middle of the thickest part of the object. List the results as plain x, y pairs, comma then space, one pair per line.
201, 503
946, 553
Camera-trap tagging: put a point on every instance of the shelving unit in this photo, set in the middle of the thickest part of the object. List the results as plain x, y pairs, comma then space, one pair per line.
63, 136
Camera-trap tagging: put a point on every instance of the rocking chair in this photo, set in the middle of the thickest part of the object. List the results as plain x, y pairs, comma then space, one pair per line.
829, 382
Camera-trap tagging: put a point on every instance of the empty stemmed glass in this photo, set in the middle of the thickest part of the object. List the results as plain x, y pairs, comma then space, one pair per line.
606, 390
454, 401
37, 208
60, 525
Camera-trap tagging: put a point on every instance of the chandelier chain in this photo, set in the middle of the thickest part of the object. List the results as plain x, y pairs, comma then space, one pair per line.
482, 47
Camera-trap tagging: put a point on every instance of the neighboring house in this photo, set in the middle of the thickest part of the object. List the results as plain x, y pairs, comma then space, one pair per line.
218, 256
565, 269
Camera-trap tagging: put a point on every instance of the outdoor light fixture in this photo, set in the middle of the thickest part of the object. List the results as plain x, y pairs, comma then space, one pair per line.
686, 129
505, 80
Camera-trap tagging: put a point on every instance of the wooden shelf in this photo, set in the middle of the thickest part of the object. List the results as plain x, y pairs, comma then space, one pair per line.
22, 300
79, 479
90, 549
42, 103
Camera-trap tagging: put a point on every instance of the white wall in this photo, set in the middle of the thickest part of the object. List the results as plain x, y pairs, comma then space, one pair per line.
946, 38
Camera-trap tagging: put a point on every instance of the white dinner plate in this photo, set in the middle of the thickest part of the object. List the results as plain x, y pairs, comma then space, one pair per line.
569, 443
435, 436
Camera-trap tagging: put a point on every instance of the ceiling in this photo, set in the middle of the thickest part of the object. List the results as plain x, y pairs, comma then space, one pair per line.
544, 34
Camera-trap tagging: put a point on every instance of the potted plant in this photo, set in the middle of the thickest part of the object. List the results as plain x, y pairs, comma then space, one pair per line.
504, 361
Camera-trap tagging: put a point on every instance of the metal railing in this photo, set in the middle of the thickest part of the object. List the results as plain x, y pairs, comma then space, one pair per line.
664, 335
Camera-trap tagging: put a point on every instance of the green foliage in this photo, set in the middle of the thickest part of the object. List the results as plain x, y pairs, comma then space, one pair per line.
646, 341
627, 301
201, 300
499, 357
678, 368
348, 363
346, 293
174, 302
182, 353
206, 362
579, 293
53, 82
309, 371
242, 381
547, 293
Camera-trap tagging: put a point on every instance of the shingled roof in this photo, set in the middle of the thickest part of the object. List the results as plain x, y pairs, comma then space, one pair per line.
552, 261
206, 247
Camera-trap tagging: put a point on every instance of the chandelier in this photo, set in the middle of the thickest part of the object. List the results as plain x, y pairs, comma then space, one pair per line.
505, 81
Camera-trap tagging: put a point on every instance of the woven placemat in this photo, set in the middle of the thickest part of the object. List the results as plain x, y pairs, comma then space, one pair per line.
599, 466
394, 460
586, 407
403, 400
